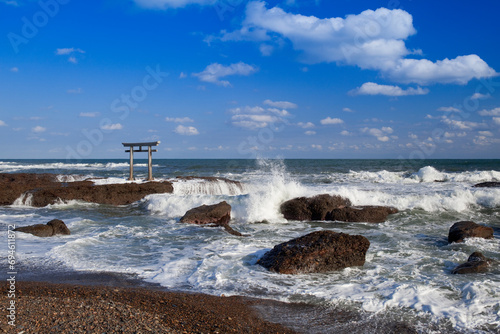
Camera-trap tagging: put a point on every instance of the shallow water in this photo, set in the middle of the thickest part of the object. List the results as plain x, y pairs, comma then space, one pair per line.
408, 264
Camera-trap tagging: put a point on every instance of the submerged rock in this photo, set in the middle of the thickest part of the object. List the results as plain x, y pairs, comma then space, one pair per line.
317, 252
53, 227
312, 208
468, 229
491, 184
368, 214
477, 263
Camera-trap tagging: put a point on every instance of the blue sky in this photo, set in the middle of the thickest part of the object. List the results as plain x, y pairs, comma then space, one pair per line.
246, 79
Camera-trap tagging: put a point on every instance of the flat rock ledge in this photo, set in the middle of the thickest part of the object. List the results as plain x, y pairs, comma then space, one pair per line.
333, 208
468, 229
477, 263
214, 215
316, 252
53, 227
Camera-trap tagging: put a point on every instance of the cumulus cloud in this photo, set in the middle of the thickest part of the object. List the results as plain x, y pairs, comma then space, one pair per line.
496, 120
371, 88
479, 96
331, 121
111, 127
459, 124
310, 133
491, 112
179, 119
257, 117
380, 134
372, 39
281, 104
2, 123
164, 4
38, 129
14, 69
71, 52
449, 109
214, 72
186, 130
306, 125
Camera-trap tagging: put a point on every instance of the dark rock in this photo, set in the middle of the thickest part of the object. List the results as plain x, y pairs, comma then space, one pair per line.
477, 263
317, 252
312, 208
53, 227
217, 214
467, 229
487, 185
45, 189
369, 214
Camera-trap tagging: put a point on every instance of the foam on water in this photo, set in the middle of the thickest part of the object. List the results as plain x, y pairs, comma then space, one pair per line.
408, 265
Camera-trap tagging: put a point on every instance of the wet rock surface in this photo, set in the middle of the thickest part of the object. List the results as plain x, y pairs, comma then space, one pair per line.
317, 252
477, 263
369, 214
53, 227
214, 215
468, 229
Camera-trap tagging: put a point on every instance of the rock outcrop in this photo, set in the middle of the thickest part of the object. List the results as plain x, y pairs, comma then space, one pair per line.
328, 207
312, 208
368, 214
45, 189
477, 263
468, 229
317, 252
491, 184
213, 215
53, 227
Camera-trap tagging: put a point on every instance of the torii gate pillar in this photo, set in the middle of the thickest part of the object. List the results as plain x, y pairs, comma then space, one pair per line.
140, 149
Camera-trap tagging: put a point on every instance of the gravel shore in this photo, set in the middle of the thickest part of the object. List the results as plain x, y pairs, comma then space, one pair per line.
43, 307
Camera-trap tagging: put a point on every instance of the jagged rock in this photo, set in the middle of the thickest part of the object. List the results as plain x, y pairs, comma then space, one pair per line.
312, 208
477, 263
213, 215
217, 214
317, 252
468, 229
45, 189
369, 214
53, 227
491, 184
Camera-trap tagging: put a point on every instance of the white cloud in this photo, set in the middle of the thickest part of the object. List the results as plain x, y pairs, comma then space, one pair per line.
186, 130
38, 129
68, 51
89, 114
14, 69
372, 39
215, 71
345, 133
380, 134
347, 110
2, 123
281, 104
182, 75
485, 133
449, 109
459, 124
317, 147
164, 4
479, 96
307, 125
492, 112
110, 127
310, 133
253, 121
371, 88
496, 120
179, 120
330, 121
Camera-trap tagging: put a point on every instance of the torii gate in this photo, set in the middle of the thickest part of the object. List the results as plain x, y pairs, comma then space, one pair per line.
150, 156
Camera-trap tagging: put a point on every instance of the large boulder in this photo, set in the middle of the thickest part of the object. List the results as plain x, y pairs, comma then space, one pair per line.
491, 184
477, 263
468, 229
53, 227
369, 214
217, 214
312, 208
317, 252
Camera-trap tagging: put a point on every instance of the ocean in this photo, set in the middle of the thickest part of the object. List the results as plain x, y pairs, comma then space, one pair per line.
407, 274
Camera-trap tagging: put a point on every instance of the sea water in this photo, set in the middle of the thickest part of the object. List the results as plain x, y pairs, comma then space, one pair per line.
408, 265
